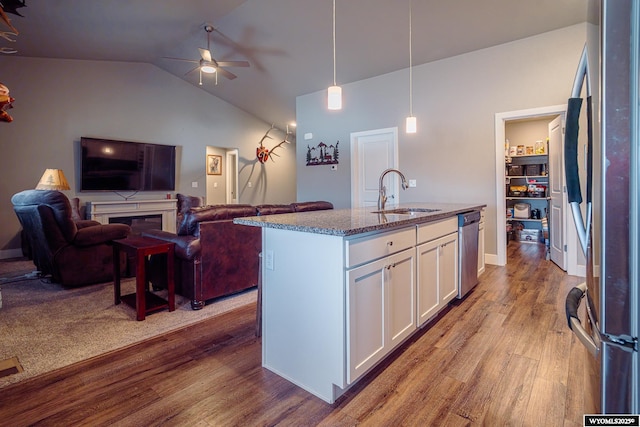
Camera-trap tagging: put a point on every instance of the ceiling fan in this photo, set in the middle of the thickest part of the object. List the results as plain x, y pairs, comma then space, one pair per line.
208, 65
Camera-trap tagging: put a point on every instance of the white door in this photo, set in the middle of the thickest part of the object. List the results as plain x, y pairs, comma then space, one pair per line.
556, 192
371, 153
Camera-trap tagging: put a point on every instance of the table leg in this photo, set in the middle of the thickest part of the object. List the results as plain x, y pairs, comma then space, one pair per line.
171, 297
141, 284
116, 274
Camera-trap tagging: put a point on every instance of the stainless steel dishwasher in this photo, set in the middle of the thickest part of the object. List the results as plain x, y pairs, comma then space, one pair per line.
468, 227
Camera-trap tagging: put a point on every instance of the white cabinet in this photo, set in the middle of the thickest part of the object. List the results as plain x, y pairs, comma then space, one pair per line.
380, 296
380, 309
334, 306
481, 244
437, 267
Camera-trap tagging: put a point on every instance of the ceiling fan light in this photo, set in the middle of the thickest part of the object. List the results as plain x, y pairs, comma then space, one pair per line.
334, 98
209, 69
411, 124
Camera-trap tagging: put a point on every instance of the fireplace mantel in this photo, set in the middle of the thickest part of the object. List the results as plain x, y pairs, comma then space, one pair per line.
102, 211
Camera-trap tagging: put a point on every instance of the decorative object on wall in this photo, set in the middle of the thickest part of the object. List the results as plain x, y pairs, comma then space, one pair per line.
214, 164
53, 179
5, 103
7, 35
323, 154
207, 64
411, 125
9, 6
263, 153
334, 93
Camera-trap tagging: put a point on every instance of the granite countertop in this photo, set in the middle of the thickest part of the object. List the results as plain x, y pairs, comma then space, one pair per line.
347, 222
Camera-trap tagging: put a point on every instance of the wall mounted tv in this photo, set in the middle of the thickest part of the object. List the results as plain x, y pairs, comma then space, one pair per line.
108, 165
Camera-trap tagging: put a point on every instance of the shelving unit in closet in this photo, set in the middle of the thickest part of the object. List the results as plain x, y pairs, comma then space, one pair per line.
527, 184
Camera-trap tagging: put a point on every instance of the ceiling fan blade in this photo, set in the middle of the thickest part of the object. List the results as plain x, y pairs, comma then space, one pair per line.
180, 59
206, 55
234, 63
226, 73
192, 70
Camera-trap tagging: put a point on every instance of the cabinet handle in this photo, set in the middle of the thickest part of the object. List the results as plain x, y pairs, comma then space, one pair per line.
390, 243
388, 267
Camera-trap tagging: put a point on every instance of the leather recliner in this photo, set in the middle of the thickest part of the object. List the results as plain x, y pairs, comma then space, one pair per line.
73, 252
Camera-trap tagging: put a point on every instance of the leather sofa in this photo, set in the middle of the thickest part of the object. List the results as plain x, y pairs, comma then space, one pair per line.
213, 256
72, 252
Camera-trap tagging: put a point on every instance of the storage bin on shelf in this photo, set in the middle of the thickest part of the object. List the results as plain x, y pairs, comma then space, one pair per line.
528, 235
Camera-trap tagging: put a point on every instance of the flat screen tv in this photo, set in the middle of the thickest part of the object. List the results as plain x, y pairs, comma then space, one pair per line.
108, 165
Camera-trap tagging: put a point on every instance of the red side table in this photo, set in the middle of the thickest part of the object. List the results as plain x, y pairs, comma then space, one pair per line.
143, 300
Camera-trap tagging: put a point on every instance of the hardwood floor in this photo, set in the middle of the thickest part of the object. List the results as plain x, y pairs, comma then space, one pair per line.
499, 357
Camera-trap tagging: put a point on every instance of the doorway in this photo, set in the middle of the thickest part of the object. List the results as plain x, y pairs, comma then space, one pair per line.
232, 175
222, 183
372, 152
557, 227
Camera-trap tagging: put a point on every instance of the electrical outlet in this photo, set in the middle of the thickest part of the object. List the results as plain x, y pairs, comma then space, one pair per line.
194, 184
268, 260
412, 183
249, 184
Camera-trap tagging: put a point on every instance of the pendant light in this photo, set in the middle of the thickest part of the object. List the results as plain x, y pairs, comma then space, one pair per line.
411, 125
334, 93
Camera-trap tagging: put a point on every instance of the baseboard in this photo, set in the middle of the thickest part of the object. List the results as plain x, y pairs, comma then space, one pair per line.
10, 253
491, 259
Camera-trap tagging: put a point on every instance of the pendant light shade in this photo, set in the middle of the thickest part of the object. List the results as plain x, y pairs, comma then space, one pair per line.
334, 98
411, 125
334, 93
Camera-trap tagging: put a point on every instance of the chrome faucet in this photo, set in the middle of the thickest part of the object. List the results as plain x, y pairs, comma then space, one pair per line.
382, 190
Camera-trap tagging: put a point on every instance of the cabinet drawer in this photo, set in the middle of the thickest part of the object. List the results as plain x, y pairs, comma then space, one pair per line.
433, 230
365, 249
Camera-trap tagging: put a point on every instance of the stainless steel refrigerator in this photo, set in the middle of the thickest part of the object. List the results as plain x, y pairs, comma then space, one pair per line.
608, 218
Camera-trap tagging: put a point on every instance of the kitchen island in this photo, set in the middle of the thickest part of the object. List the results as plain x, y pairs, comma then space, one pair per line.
342, 288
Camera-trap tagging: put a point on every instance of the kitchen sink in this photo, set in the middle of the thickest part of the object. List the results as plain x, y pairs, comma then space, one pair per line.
406, 211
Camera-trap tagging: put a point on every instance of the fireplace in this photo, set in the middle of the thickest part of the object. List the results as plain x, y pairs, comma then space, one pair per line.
142, 214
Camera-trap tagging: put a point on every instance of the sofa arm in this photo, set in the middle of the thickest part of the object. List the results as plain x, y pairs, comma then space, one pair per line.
187, 247
103, 233
84, 223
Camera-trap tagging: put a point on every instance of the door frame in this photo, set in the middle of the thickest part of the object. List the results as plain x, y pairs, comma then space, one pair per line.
501, 206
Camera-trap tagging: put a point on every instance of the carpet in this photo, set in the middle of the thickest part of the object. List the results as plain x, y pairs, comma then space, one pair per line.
46, 326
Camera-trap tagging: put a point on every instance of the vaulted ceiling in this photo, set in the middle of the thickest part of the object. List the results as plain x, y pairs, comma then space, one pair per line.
287, 42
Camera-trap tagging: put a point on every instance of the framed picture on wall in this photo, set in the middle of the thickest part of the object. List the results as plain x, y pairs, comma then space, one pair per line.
214, 164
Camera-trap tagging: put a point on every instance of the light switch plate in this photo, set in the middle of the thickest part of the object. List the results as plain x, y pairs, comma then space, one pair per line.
268, 261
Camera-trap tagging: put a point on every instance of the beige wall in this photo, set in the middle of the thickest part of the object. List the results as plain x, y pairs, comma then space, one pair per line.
452, 157
59, 101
